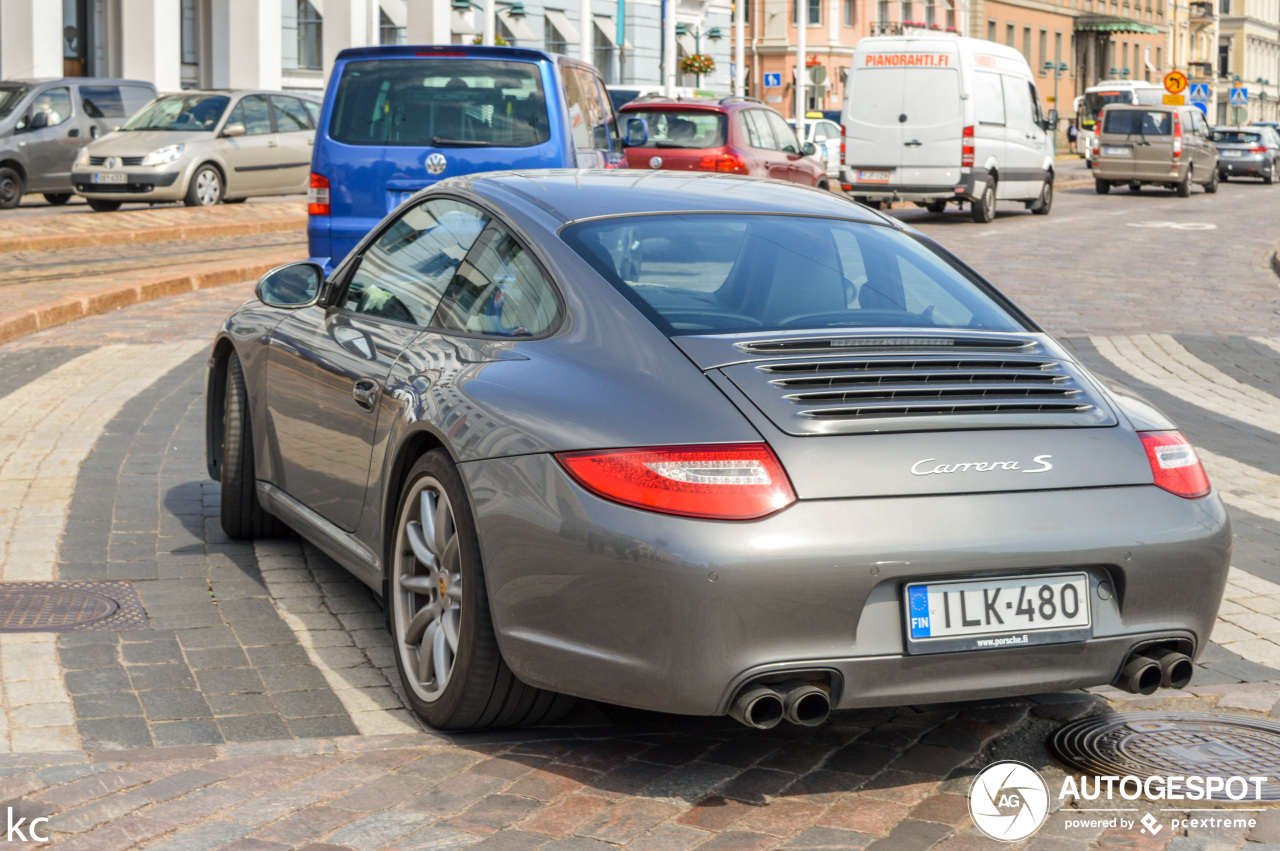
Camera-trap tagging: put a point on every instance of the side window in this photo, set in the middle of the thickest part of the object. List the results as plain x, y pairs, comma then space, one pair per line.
1017, 104
580, 108
988, 97
135, 98
499, 291
290, 116
313, 110
254, 112
608, 134
1037, 114
403, 273
102, 101
54, 105
759, 120
782, 132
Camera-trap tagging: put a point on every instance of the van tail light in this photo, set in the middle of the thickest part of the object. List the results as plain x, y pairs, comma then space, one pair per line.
730, 163
1258, 149
318, 195
1177, 136
842, 159
1174, 463
737, 481
966, 148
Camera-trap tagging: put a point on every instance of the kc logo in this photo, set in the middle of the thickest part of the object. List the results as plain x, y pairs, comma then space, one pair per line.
14, 828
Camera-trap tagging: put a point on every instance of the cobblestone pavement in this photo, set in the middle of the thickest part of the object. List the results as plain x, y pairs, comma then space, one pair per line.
259, 710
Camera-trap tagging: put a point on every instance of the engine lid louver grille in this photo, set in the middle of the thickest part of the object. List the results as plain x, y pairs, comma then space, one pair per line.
914, 383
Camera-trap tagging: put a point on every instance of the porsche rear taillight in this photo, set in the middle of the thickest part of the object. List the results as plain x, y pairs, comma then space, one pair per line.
318, 195
1174, 463
966, 148
1177, 136
729, 163
738, 481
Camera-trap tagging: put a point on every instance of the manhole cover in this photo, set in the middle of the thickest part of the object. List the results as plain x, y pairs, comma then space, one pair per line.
1148, 744
69, 607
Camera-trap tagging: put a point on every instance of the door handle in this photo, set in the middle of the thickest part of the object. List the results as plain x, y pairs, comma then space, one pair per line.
914, 143
272, 143
93, 131
365, 393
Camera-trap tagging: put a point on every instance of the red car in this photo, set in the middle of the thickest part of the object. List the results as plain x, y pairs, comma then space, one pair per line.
738, 135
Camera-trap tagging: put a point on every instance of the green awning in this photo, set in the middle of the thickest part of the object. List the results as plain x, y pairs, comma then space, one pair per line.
1112, 24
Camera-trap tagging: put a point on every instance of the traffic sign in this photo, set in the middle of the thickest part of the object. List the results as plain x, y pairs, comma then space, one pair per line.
1199, 93
1175, 82
773, 80
1239, 96
1175, 100
1202, 106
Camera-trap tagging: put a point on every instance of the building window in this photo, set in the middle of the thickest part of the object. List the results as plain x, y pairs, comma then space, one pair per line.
1057, 48
1124, 59
1026, 43
604, 51
882, 12
1224, 60
951, 15
1159, 59
1044, 49
908, 10
1010, 36
991, 30
815, 11
1226, 7
554, 41
388, 32
190, 55
930, 13
310, 36
848, 13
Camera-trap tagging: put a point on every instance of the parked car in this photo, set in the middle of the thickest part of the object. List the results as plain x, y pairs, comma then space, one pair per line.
826, 138
706, 445
1154, 145
399, 118
735, 135
202, 148
941, 120
45, 123
1247, 152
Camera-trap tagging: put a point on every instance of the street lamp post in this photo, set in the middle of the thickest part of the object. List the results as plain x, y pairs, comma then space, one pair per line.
1057, 68
712, 34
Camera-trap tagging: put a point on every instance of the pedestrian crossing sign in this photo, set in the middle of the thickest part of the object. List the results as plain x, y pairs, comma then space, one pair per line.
1239, 96
1199, 93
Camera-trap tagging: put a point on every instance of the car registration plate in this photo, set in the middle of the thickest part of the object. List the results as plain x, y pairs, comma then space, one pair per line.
109, 177
1232, 153
1118, 151
873, 176
987, 614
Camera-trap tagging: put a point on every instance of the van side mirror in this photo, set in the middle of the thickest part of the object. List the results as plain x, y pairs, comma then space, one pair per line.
1051, 123
235, 128
291, 286
809, 149
637, 133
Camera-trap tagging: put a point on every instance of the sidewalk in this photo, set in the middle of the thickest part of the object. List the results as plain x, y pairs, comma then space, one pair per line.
59, 268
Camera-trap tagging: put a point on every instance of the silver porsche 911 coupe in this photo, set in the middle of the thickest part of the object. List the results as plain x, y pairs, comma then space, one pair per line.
710, 445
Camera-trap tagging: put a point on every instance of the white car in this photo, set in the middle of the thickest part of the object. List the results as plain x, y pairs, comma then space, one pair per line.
825, 136
939, 119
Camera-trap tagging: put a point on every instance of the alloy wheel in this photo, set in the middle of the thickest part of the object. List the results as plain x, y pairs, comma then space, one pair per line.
427, 589
208, 187
8, 189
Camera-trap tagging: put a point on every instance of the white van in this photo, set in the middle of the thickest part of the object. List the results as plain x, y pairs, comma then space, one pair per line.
940, 119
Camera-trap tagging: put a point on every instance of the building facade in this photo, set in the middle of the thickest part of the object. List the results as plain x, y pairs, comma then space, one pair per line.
290, 44
1248, 57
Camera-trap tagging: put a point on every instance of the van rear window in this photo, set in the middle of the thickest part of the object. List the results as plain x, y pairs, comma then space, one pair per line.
1138, 122
441, 103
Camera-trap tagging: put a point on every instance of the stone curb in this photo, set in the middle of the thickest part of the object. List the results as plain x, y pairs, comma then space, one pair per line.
37, 242
20, 323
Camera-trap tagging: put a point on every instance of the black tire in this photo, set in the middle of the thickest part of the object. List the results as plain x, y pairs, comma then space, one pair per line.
1184, 188
206, 187
936, 206
243, 517
1135, 187
1102, 187
234, 200
1043, 204
57, 199
1270, 177
1212, 186
479, 690
1224, 178
101, 205
10, 188
984, 206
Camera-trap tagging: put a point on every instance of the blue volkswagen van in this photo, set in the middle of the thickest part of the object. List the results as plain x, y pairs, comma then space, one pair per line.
398, 118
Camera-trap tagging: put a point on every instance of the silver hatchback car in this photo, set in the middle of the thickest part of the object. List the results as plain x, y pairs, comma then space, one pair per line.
202, 148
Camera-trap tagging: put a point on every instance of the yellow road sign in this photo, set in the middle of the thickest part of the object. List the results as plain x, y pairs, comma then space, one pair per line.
1175, 82
1175, 100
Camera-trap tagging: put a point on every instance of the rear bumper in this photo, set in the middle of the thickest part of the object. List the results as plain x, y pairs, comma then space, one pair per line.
968, 187
672, 614
1256, 166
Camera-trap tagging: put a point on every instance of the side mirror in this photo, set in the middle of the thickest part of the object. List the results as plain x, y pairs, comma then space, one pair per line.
39, 121
637, 133
235, 128
290, 286
809, 149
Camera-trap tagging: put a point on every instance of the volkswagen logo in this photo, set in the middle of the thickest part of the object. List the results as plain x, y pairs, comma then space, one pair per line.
436, 163
112, 162
655, 162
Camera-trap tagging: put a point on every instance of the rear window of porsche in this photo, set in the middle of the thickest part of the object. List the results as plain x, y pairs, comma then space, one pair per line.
715, 273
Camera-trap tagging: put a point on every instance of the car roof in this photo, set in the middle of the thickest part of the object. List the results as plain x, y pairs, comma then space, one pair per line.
715, 104
571, 195
239, 92
84, 81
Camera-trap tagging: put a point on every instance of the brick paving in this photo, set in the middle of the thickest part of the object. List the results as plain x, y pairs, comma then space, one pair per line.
229, 723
